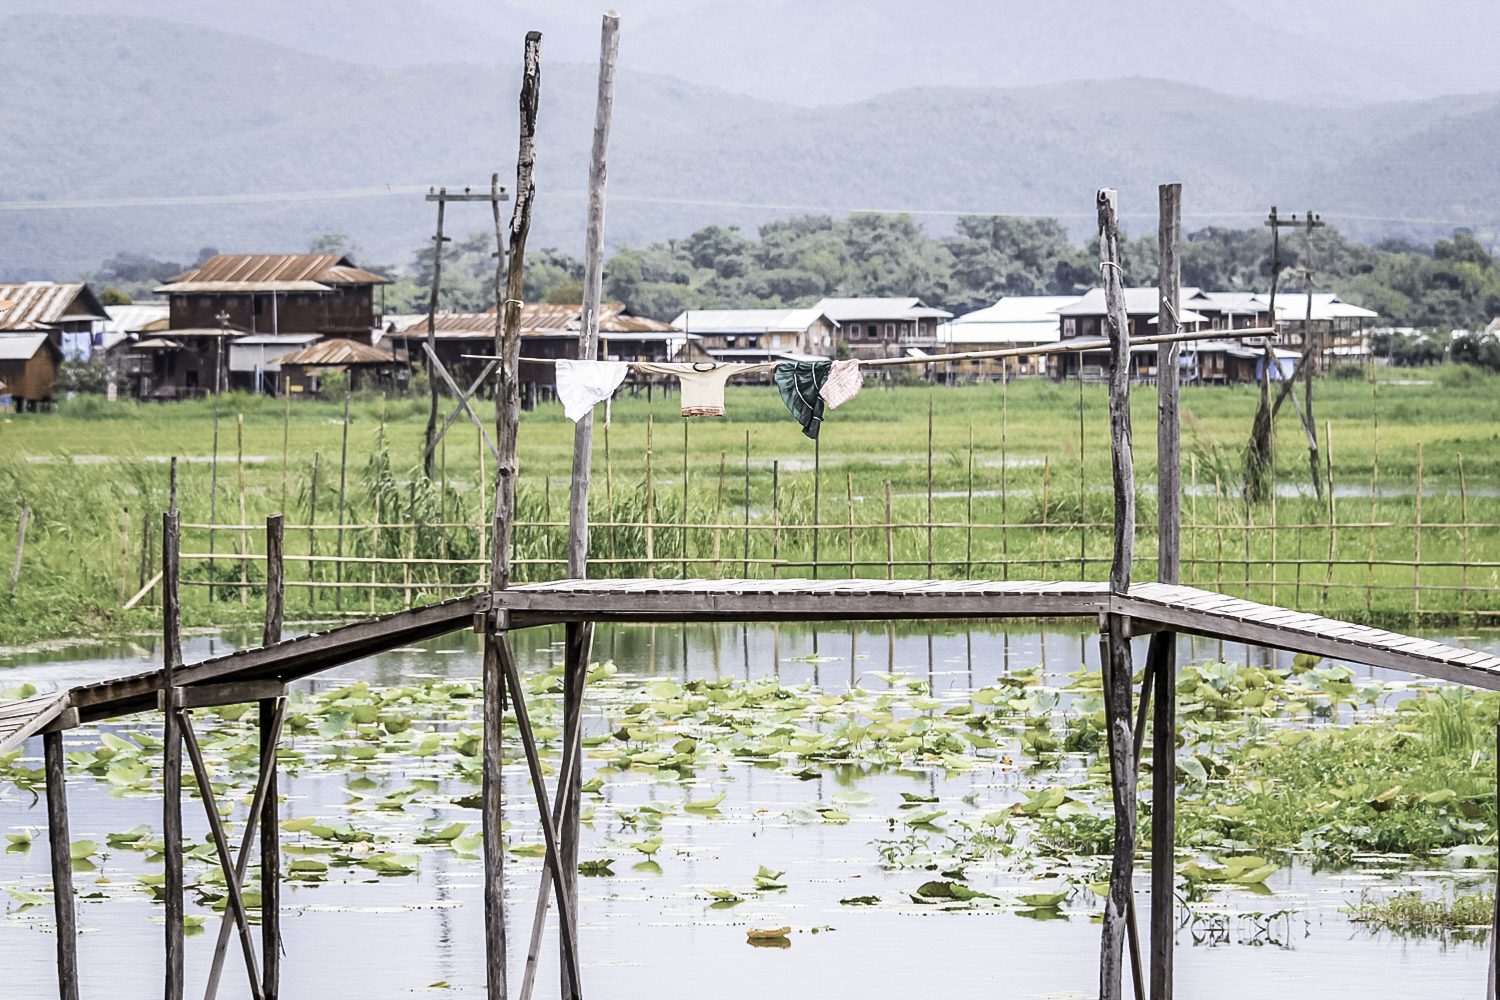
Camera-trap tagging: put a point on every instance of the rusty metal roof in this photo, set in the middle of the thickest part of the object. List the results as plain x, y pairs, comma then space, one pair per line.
539, 319
39, 304
231, 269
338, 352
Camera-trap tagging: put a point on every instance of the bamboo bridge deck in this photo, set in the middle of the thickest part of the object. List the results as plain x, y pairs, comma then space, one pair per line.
1148, 606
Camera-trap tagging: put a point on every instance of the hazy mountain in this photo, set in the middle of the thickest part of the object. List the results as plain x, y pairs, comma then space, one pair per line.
108, 109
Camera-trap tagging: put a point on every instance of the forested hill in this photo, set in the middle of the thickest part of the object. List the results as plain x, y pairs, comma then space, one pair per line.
126, 109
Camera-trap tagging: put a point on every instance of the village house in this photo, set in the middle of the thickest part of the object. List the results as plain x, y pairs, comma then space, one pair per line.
236, 295
66, 311
1013, 322
1084, 320
28, 371
304, 372
1340, 329
885, 328
760, 335
547, 331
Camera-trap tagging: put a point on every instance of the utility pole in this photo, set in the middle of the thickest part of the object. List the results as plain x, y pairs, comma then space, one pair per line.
442, 197
1260, 456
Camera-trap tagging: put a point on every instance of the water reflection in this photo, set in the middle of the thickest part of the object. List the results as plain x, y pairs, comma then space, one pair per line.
652, 930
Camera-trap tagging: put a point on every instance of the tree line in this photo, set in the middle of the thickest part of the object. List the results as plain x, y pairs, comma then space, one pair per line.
794, 262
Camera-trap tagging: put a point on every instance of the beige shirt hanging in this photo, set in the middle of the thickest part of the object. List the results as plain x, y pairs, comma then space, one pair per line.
702, 382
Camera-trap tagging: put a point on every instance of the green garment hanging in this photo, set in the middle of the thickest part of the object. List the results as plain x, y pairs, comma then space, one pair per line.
800, 383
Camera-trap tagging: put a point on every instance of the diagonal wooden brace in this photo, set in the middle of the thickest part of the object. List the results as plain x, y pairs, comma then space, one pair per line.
463, 402
549, 829
242, 861
216, 825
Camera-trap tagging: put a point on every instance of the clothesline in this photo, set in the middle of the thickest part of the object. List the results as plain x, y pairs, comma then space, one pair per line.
1097, 344
808, 387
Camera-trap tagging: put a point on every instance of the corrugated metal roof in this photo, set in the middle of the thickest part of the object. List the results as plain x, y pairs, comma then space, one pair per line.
210, 287
746, 320
20, 346
1019, 309
840, 310
41, 303
1138, 302
1325, 306
278, 338
239, 269
536, 320
338, 352
136, 317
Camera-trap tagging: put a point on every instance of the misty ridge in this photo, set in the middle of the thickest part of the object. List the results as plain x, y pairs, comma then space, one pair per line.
127, 109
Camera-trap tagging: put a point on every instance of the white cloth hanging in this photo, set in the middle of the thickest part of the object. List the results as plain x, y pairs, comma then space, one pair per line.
583, 384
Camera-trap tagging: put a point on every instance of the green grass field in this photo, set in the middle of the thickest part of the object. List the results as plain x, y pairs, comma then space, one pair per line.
80, 467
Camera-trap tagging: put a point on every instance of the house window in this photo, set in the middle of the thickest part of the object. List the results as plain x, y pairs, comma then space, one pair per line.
775, 340
855, 332
259, 305
731, 341
903, 328
873, 332
1070, 327
752, 341
890, 329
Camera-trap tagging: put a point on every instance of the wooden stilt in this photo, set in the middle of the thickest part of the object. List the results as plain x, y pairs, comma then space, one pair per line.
1494, 977
1163, 665
271, 713
62, 868
549, 828
1116, 644
172, 756
579, 645
1162, 658
236, 903
265, 789
494, 850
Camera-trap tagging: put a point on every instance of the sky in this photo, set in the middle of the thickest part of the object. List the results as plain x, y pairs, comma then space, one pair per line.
807, 52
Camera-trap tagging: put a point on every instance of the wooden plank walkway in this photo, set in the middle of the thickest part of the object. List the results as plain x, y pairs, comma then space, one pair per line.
22, 719
1182, 609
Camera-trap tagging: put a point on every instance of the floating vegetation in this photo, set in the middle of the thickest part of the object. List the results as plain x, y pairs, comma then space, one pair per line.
1413, 911
1308, 759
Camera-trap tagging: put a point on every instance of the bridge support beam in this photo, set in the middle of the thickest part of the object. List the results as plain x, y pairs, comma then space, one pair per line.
62, 867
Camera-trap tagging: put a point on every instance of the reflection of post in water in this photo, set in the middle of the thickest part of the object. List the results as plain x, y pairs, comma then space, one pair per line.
1007, 653
969, 641
776, 649
651, 654
929, 661
713, 634
745, 638
684, 653
1043, 634
853, 654
816, 664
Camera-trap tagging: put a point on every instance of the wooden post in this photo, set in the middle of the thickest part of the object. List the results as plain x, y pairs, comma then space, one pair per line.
1117, 685
271, 710
719, 518
1083, 495
374, 550
578, 648
775, 517
1375, 492
1463, 508
1162, 658
929, 485
286, 437
172, 752
817, 500
338, 592
1046, 504
890, 536
684, 574
275, 580
125, 550
745, 569
1333, 516
849, 478
244, 538
507, 431
1494, 976
312, 534
593, 288
609, 502
63, 903
650, 503
969, 516
1416, 580
1004, 510
15, 570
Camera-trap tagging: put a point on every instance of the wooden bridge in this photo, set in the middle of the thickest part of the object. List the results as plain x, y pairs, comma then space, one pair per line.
1122, 607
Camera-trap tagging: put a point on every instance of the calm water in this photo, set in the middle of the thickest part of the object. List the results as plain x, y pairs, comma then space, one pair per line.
649, 933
